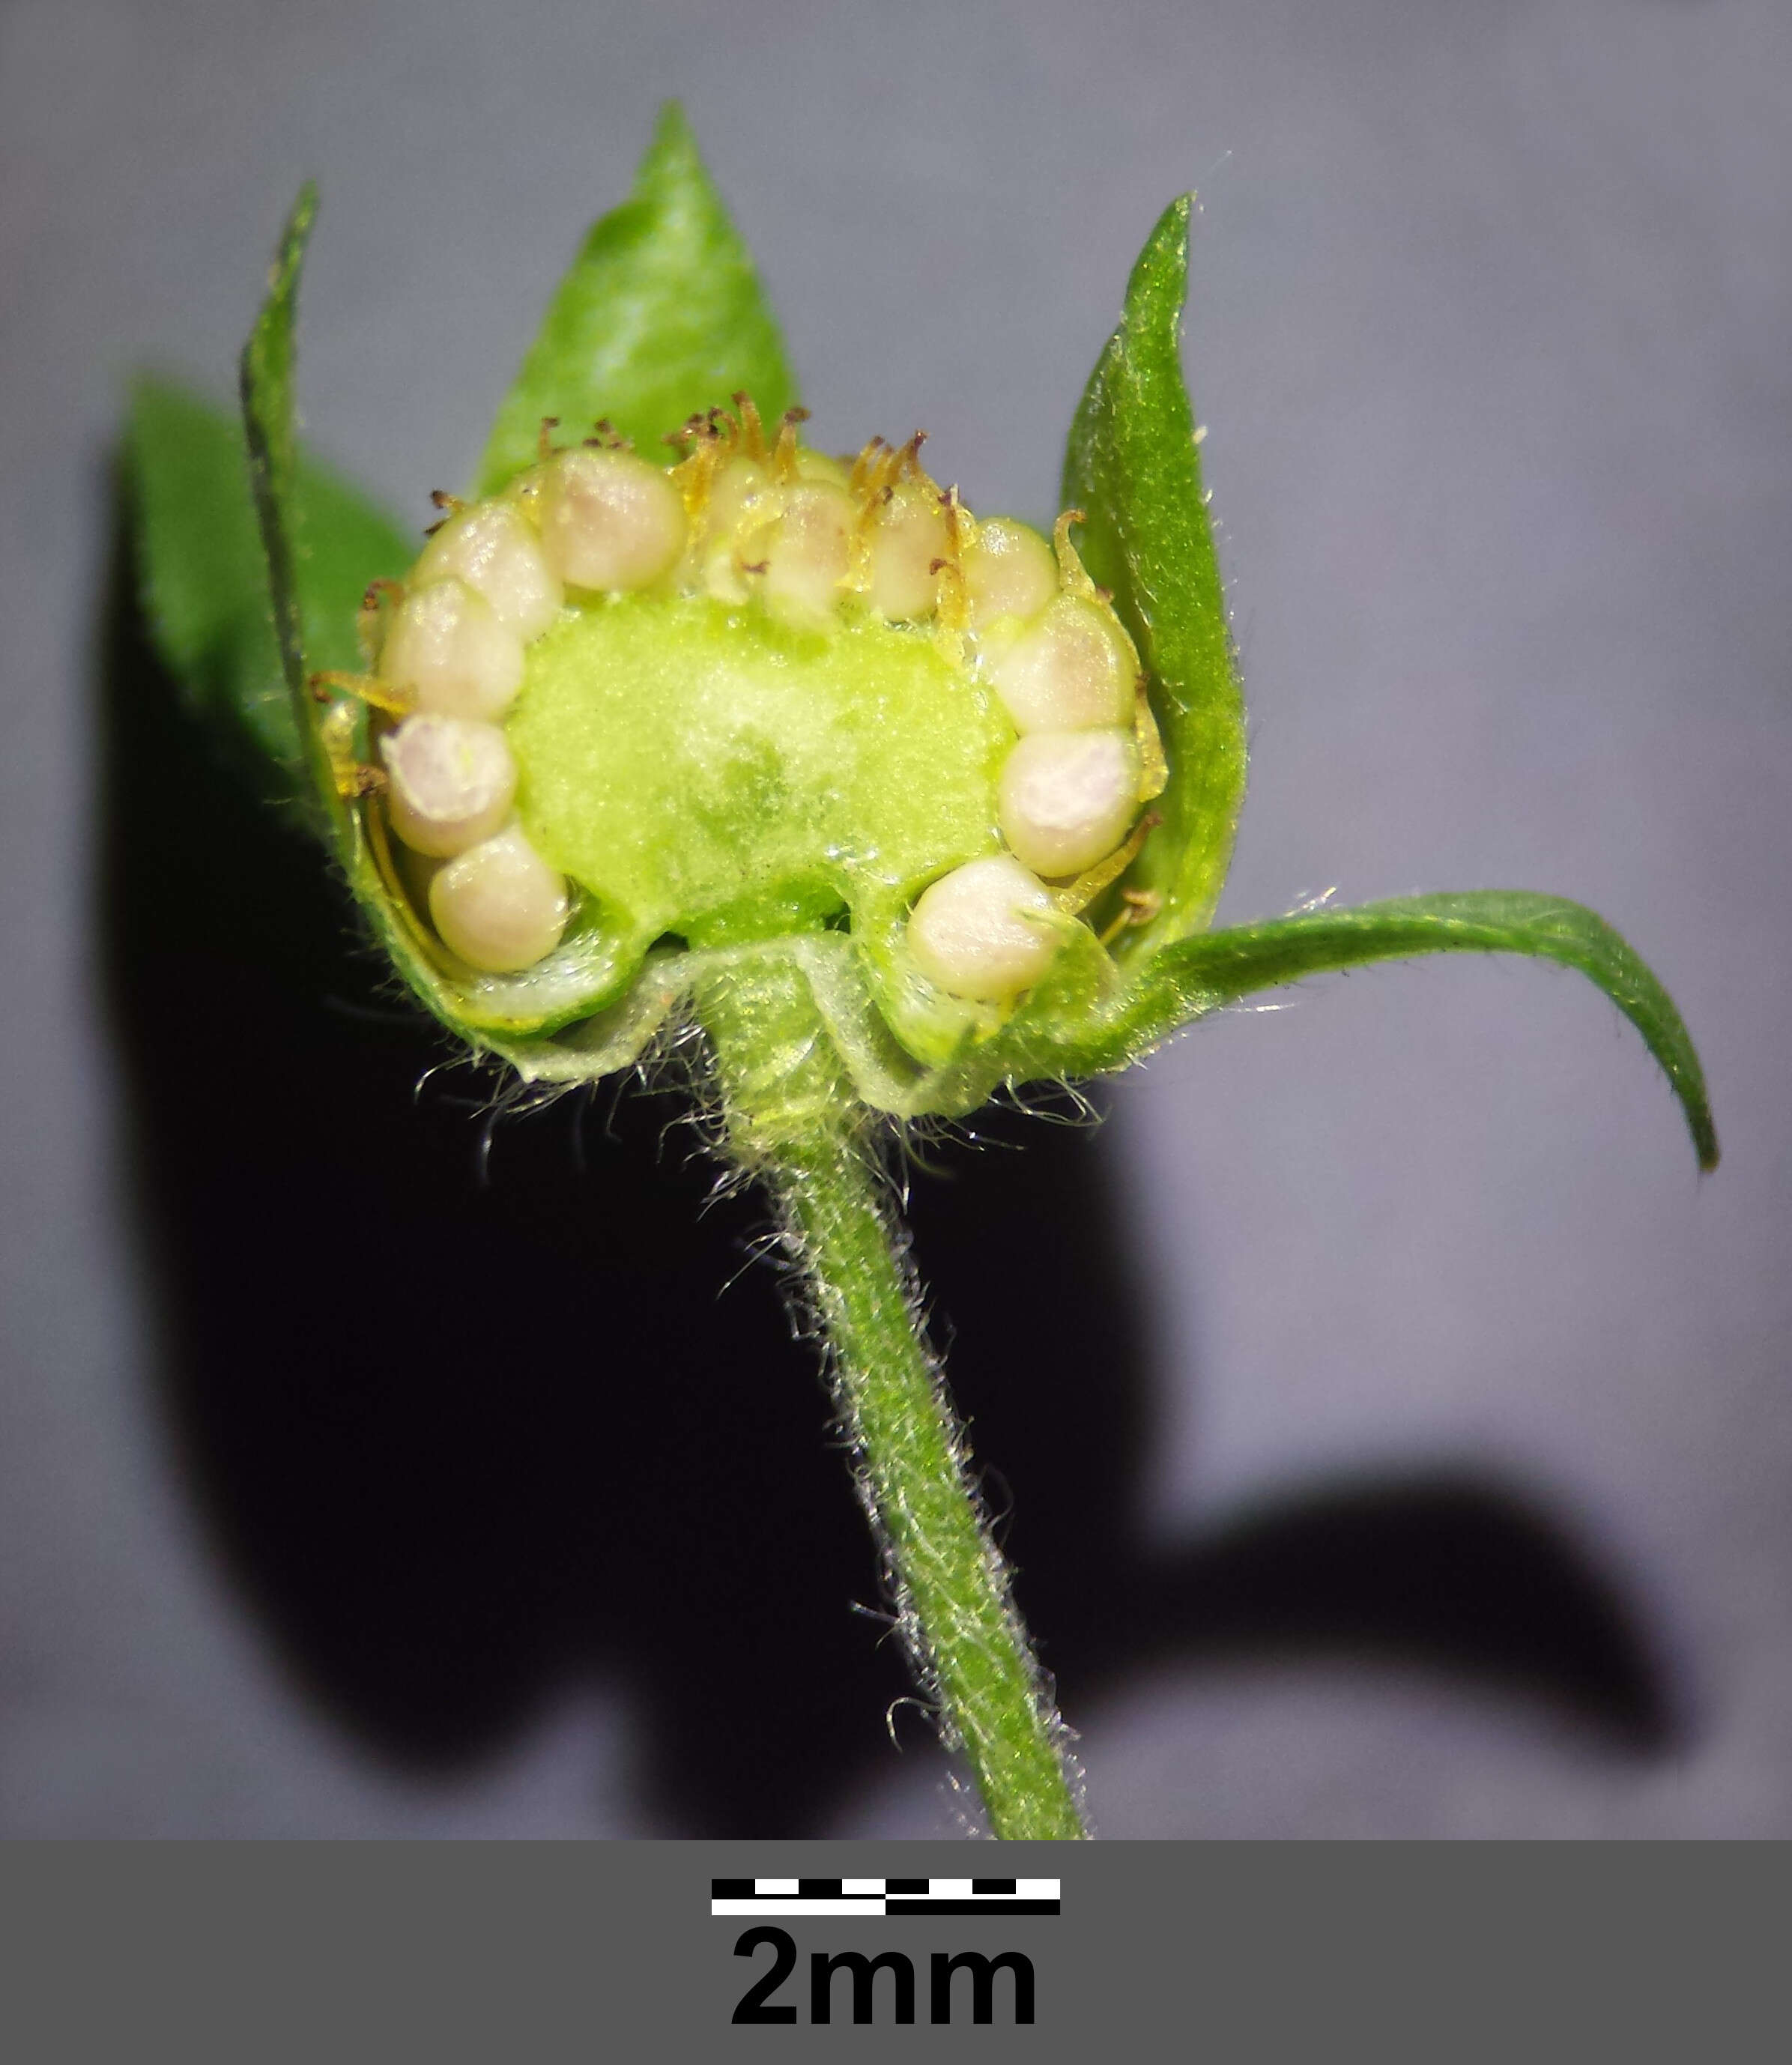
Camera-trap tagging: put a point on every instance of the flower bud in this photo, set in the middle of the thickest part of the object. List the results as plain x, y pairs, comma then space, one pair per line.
499, 906
1073, 670
447, 651
909, 539
449, 782
805, 553
1067, 798
609, 520
1010, 571
986, 931
493, 549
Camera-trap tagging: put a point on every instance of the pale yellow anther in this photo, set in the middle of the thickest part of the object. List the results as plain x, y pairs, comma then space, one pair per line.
610, 521
1009, 571
985, 931
493, 548
499, 906
1072, 669
908, 539
451, 782
445, 650
1067, 798
804, 555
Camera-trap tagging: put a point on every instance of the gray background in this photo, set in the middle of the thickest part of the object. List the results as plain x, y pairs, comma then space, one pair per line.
1489, 325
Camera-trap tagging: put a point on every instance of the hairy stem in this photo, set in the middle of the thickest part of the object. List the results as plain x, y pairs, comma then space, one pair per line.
793, 1123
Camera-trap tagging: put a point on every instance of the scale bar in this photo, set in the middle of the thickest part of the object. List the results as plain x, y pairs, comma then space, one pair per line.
879, 1897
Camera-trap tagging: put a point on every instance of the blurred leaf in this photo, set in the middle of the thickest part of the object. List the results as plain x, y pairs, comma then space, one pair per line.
204, 577
268, 411
1134, 469
661, 316
1199, 975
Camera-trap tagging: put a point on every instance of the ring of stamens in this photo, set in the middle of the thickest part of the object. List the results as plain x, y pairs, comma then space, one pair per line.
756, 523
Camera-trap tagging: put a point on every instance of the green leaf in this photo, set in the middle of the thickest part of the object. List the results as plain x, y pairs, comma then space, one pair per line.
203, 576
1134, 469
662, 315
1199, 975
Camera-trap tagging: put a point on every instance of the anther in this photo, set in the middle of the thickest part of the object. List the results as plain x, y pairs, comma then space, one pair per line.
752, 431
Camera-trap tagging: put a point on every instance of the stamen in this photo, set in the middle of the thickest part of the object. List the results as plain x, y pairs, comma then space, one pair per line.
1138, 906
869, 456
752, 431
1072, 573
784, 453
368, 689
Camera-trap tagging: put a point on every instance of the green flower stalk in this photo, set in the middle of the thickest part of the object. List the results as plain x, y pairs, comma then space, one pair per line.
679, 723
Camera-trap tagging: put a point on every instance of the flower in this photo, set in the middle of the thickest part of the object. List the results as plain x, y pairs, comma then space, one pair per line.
898, 807
658, 327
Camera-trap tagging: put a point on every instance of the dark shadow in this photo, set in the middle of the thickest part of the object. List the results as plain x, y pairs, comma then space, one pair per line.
466, 1425
1445, 1570
467, 1408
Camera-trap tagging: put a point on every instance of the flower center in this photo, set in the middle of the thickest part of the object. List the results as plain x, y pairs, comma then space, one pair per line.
755, 691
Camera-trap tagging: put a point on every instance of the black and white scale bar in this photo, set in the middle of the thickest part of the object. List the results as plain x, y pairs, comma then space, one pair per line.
881, 1897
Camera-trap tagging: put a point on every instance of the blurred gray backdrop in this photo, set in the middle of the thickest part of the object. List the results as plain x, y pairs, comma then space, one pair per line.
1490, 327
